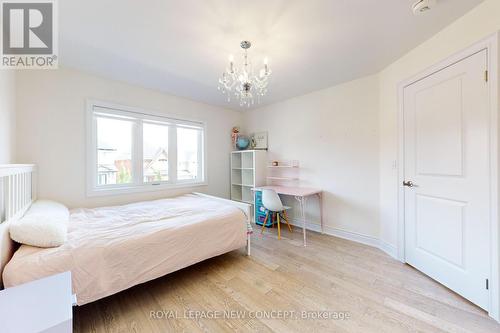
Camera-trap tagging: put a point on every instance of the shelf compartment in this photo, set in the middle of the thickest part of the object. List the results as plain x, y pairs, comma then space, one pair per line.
247, 177
236, 192
236, 176
246, 160
282, 178
236, 160
247, 195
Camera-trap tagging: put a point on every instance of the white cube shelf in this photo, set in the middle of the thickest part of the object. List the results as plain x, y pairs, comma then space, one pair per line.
248, 170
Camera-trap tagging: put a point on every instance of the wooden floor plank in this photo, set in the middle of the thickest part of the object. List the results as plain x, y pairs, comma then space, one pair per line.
330, 274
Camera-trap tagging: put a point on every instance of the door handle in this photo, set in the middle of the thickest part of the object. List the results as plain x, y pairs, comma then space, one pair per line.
408, 183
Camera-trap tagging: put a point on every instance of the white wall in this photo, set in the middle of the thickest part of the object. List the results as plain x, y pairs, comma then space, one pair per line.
7, 115
332, 128
334, 134
474, 26
51, 132
7, 139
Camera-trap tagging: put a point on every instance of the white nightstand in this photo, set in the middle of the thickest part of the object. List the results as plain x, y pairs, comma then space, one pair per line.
43, 305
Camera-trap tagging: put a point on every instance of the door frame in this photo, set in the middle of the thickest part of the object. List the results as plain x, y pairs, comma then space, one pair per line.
491, 45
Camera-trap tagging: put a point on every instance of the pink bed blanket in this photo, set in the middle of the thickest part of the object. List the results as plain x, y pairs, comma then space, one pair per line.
110, 249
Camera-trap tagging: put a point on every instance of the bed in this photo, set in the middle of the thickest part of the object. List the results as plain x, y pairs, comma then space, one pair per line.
110, 249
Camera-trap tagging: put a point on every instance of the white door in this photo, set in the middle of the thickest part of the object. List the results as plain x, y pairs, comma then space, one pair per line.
446, 148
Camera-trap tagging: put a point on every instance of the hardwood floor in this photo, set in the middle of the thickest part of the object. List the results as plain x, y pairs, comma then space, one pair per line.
282, 278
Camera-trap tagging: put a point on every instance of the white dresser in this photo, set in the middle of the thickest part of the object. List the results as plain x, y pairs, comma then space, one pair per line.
44, 305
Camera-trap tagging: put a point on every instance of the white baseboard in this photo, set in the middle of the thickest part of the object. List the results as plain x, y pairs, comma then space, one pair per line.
389, 249
352, 236
309, 226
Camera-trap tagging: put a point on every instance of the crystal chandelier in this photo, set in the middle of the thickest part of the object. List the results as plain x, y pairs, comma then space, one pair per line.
242, 82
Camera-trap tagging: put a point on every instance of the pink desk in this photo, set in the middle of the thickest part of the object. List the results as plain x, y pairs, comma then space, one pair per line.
300, 194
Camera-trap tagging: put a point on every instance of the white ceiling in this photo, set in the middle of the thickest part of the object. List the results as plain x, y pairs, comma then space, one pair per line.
181, 47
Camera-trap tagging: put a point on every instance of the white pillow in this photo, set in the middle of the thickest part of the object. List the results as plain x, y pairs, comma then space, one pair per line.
43, 225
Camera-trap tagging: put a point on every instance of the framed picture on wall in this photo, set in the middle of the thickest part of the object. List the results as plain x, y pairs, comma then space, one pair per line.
260, 140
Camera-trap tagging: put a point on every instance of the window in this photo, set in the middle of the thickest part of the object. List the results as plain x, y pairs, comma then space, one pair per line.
188, 145
155, 152
114, 151
132, 151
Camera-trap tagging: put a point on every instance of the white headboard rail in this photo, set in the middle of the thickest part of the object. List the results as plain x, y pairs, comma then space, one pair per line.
17, 192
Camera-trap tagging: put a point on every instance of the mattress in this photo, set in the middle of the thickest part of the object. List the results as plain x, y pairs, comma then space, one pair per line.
110, 249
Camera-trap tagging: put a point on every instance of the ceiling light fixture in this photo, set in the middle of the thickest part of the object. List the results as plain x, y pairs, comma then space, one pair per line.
242, 82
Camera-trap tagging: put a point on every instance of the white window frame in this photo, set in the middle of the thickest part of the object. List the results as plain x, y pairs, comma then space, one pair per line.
139, 117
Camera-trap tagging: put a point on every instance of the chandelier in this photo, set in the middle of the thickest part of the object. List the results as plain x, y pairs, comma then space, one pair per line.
242, 82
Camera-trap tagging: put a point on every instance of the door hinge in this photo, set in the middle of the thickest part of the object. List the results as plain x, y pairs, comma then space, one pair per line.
486, 75
487, 284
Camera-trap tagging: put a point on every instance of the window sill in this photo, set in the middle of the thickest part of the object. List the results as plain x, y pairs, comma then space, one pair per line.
98, 192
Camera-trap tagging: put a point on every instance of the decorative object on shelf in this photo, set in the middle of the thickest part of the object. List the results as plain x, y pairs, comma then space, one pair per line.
234, 135
284, 164
260, 139
252, 142
242, 142
242, 82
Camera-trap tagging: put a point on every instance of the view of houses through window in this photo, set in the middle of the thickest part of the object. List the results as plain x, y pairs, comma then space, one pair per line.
187, 152
155, 152
114, 151
118, 138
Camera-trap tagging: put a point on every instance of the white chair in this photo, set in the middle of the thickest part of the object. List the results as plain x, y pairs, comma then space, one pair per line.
272, 203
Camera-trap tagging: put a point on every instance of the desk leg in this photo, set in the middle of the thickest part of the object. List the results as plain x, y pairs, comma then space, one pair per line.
249, 238
320, 197
302, 202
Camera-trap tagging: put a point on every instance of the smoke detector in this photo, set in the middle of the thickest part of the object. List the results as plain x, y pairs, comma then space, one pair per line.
423, 6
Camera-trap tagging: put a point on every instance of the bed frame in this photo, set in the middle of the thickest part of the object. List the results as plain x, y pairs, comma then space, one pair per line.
246, 208
17, 192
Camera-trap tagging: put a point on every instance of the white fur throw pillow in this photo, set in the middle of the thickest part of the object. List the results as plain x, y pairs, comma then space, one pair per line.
43, 225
